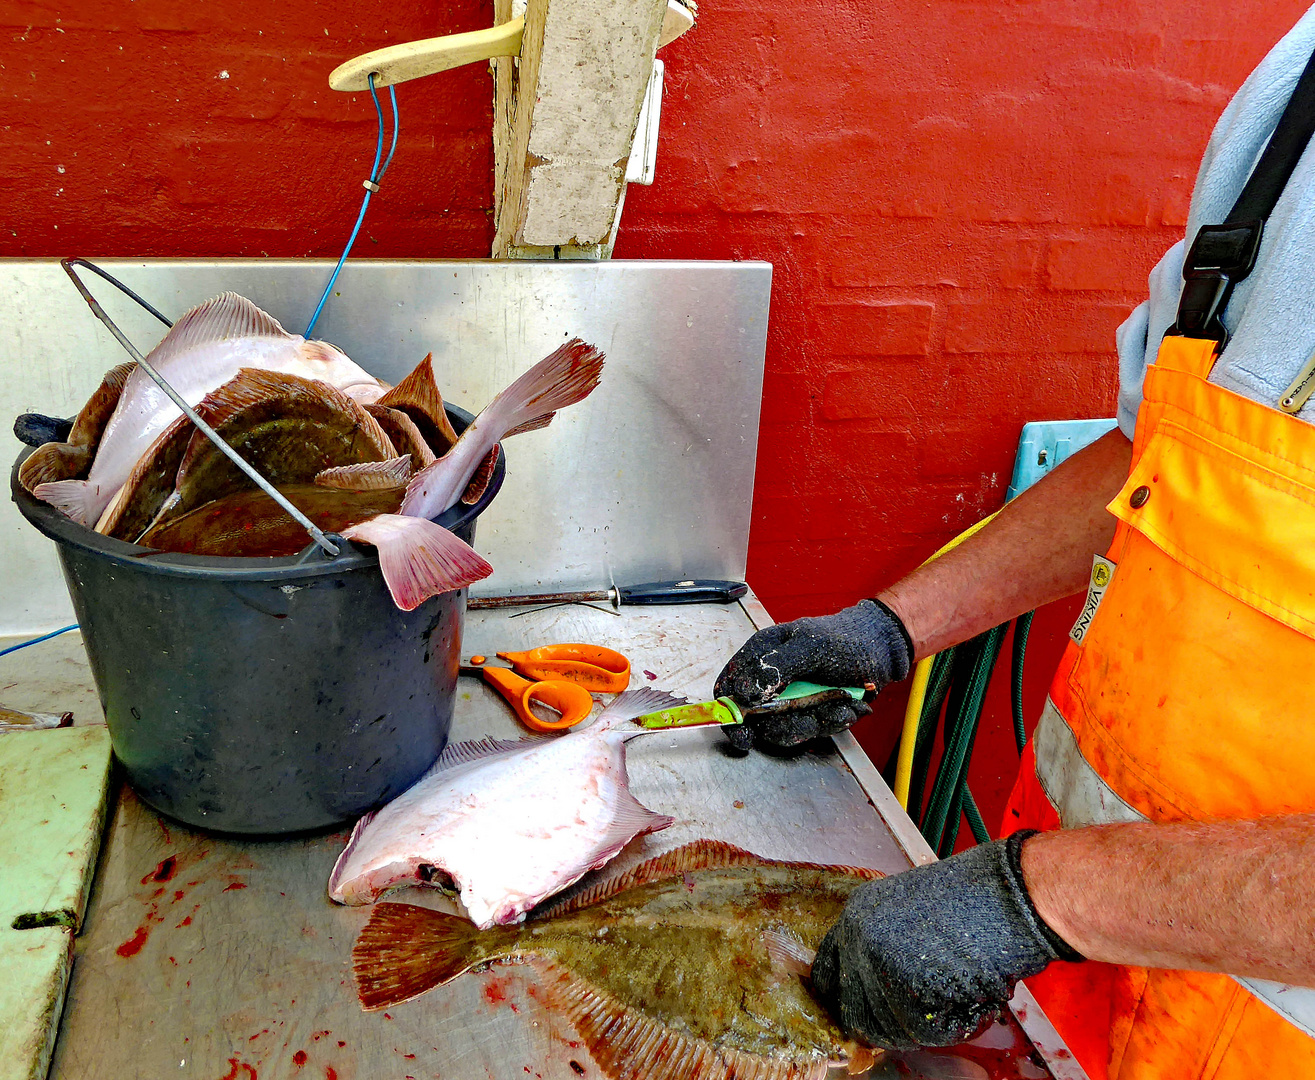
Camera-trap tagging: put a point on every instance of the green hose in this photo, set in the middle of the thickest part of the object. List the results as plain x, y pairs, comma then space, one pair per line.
974, 816
937, 687
1021, 629
963, 717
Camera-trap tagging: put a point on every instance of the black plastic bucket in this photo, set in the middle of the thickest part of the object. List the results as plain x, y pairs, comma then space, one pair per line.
263, 695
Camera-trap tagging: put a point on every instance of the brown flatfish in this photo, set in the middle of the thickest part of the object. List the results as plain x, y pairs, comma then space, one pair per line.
289, 428
691, 966
249, 524
71, 460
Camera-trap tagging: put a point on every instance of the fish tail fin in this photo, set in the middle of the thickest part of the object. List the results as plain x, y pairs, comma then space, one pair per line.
52, 462
405, 950
418, 558
567, 376
79, 499
530, 425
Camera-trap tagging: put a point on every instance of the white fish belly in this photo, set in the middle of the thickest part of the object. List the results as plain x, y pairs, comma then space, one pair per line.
510, 830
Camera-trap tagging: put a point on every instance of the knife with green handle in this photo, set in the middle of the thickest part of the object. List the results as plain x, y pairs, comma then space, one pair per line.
798, 695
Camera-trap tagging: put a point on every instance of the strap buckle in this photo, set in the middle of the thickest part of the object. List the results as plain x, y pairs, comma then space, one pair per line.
1220, 257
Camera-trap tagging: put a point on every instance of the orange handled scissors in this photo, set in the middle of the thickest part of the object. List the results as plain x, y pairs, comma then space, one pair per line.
563, 678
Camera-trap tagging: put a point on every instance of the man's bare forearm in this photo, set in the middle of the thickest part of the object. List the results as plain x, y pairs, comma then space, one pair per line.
1235, 896
1038, 550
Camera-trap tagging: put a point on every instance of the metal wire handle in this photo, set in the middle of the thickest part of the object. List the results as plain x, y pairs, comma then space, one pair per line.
329, 547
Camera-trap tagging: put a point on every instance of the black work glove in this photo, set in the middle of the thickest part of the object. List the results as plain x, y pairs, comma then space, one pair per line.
930, 956
865, 643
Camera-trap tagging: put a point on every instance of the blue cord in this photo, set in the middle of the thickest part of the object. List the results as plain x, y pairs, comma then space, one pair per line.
38, 640
376, 174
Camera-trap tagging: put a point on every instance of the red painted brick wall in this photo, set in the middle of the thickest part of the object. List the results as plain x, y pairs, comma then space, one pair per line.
961, 201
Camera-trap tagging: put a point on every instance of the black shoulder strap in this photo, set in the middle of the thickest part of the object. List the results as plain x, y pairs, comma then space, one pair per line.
1223, 255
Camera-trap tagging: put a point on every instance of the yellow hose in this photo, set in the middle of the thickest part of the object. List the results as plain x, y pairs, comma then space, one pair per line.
918, 692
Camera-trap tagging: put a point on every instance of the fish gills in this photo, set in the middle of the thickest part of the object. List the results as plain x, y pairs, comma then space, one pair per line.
418, 397
287, 427
666, 972
71, 460
402, 430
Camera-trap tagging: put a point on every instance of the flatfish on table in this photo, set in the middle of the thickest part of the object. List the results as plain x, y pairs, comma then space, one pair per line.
692, 966
509, 823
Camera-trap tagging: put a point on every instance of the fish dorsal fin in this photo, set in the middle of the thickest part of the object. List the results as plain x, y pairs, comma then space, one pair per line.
368, 475
226, 316
463, 753
699, 855
404, 433
479, 483
632, 703
687, 859
419, 392
629, 1045
96, 413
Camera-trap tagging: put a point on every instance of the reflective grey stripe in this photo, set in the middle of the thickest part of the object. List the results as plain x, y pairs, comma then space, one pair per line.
1074, 789
1081, 797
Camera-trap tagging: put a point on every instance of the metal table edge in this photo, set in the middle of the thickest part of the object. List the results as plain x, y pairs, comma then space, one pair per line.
1026, 1009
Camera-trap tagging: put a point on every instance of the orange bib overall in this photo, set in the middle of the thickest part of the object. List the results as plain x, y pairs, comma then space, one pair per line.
1186, 695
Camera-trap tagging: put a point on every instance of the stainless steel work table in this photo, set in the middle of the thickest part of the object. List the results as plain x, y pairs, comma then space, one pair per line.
224, 959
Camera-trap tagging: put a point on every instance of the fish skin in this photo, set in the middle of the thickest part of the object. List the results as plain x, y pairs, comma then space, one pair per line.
19, 720
249, 524
671, 964
202, 351
402, 430
511, 823
567, 376
287, 427
151, 481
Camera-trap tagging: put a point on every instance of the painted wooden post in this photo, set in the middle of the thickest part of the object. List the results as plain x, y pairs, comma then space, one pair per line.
564, 121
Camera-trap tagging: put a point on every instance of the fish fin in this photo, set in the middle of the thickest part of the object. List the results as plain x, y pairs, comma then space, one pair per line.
419, 390
52, 462
530, 425
568, 375
479, 483
75, 498
699, 855
686, 859
418, 558
464, 753
368, 475
404, 433
788, 955
405, 950
335, 876
96, 413
629, 1045
632, 703
227, 315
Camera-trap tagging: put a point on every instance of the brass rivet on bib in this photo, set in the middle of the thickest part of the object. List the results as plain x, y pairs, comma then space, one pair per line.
1139, 497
